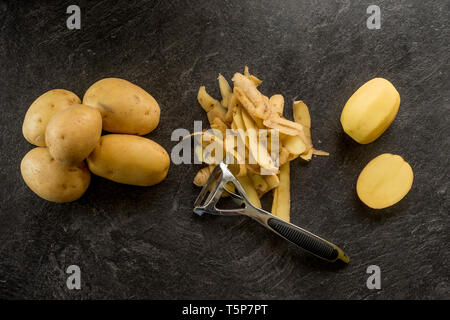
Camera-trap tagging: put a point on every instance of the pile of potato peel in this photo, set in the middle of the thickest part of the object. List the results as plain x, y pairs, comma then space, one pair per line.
244, 108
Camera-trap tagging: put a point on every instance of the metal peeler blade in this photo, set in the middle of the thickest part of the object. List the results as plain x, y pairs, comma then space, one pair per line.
211, 193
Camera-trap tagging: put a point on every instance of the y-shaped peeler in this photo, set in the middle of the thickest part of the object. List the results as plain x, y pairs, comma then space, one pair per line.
212, 191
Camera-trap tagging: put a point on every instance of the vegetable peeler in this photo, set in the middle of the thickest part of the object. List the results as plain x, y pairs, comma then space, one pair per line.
211, 193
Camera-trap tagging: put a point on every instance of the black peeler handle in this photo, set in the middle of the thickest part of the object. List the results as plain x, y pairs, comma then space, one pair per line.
306, 240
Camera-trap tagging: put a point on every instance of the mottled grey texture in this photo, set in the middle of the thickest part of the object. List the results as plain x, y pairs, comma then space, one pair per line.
134, 242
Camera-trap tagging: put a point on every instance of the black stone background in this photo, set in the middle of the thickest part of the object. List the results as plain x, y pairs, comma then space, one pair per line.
133, 242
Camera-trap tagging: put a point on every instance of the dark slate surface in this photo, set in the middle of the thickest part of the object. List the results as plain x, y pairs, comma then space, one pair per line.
133, 242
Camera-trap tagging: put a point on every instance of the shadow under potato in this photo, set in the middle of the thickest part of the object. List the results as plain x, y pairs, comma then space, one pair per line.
111, 195
379, 215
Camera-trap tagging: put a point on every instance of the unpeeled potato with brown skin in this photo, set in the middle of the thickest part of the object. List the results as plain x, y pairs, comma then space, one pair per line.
129, 159
52, 180
125, 107
73, 133
42, 110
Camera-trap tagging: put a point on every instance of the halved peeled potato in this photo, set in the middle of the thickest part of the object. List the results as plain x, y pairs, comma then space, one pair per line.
384, 181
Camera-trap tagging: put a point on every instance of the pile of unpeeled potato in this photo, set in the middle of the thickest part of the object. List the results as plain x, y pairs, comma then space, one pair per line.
67, 132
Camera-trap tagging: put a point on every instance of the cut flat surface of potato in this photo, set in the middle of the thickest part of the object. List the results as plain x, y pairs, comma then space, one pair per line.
384, 181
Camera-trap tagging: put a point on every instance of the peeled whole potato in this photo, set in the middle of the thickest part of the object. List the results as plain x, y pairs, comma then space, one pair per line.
129, 159
73, 133
125, 107
40, 112
52, 180
384, 181
370, 110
